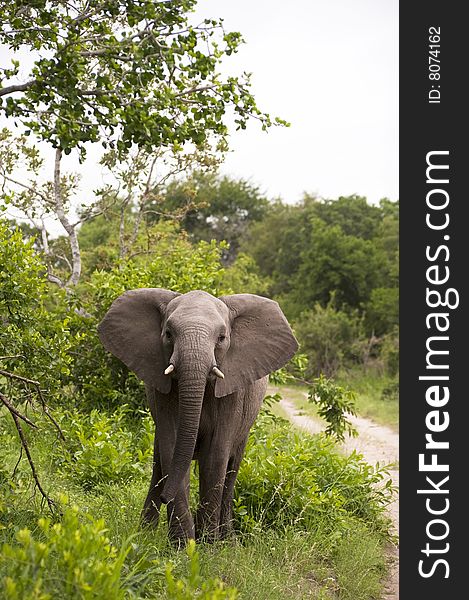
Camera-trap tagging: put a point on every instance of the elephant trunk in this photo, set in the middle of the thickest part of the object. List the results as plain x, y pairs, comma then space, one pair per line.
191, 395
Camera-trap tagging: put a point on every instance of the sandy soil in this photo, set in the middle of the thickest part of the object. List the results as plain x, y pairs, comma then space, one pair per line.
378, 444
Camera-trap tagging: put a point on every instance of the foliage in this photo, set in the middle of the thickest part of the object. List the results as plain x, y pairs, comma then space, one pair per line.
105, 448
243, 277
226, 208
333, 261
327, 336
333, 266
352, 214
278, 256
292, 479
122, 72
68, 559
300, 504
390, 352
75, 559
382, 310
334, 402
35, 342
344, 247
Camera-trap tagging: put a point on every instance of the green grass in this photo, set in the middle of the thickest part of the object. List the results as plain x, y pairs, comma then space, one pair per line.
371, 402
269, 560
264, 565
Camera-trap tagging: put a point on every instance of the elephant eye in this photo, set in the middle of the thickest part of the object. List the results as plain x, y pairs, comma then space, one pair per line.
221, 338
168, 334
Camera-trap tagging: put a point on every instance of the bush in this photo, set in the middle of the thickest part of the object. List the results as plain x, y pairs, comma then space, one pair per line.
382, 310
34, 341
105, 448
291, 479
243, 277
389, 353
333, 402
328, 337
74, 559
70, 559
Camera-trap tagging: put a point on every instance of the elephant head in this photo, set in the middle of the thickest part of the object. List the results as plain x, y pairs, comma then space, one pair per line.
195, 338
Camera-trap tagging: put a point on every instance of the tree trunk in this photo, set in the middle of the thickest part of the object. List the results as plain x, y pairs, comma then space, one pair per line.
64, 220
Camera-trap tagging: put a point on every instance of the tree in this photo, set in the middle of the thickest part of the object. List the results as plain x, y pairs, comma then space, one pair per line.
328, 337
352, 214
20, 168
224, 208
316, 248
123, 73
276, 243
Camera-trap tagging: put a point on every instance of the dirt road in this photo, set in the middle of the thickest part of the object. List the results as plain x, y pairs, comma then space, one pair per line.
377, 444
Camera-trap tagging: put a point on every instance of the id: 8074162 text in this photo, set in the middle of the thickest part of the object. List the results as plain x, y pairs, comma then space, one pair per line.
434, 74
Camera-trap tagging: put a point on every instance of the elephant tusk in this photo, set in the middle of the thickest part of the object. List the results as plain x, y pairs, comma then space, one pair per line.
169, 370
218, 373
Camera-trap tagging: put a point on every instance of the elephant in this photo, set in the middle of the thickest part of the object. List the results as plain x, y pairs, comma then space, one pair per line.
205, 363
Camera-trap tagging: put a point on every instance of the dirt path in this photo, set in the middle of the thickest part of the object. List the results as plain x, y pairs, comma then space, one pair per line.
377, 444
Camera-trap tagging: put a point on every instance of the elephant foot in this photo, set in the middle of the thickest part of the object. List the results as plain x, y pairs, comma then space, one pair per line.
226, 531
207, 532
181, 529
206, 537
150, 514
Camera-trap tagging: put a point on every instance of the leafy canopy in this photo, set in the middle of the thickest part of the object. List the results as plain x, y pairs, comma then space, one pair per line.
127, 72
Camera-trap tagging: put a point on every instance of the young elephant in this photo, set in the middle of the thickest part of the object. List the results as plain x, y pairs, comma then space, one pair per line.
205, 363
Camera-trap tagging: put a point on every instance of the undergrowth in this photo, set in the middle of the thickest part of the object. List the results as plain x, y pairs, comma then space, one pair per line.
309, 521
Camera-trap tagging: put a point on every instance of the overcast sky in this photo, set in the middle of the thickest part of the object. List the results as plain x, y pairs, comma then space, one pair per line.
330, 67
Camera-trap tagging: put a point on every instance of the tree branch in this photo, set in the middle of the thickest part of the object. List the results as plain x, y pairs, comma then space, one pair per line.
20, 87
23, 185
37, 387
195, 89
15, 411
24, 444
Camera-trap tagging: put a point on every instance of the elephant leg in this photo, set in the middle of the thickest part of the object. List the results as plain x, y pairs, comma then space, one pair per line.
151, 508
212, 474
226, 513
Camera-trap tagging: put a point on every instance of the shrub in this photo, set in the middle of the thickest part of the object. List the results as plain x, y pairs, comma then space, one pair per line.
389, 353
334, 403
34, 341
243, 277
105, 448
70, 559
74, 559
288, 478
382, 310
327, 336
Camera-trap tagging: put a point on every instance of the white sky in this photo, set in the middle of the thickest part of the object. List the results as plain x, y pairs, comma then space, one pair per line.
330, 67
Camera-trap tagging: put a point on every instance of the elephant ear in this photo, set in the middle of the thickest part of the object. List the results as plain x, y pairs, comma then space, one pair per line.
261, 342
131, 330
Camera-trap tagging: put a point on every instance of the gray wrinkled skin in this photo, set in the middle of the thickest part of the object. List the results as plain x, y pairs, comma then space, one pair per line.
198, 415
